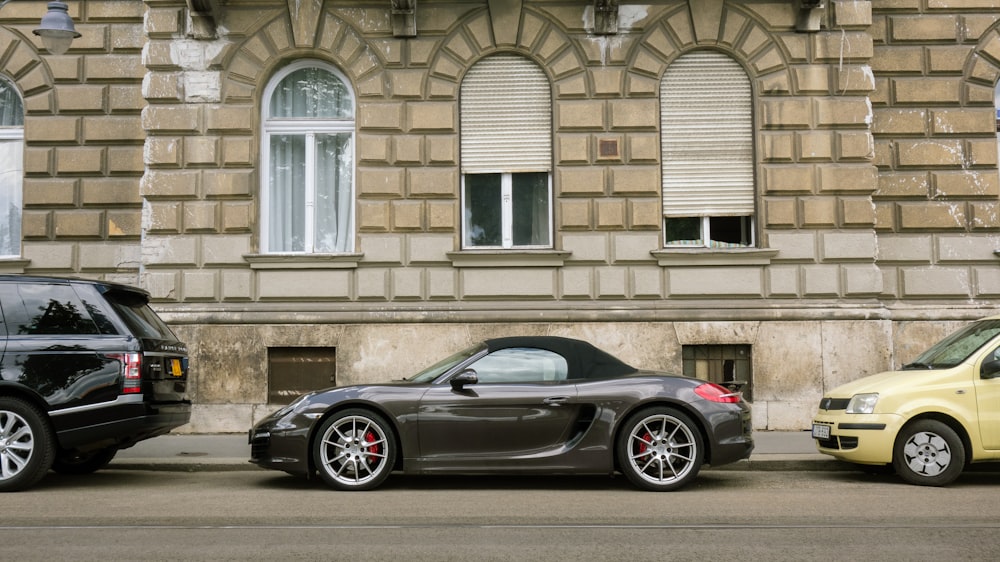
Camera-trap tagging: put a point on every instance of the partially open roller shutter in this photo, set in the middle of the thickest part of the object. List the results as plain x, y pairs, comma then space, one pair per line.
506, 116
707, 137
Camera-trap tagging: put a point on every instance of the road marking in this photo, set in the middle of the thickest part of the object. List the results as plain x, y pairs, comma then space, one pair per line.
723, 526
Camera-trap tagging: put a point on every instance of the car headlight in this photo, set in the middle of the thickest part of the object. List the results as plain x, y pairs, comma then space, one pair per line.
295, 406
862, 403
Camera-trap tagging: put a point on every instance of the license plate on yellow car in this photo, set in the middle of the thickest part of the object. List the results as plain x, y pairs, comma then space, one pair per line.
821, 431
175, 368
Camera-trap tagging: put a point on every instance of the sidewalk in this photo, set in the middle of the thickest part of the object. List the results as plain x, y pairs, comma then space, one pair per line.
774, 450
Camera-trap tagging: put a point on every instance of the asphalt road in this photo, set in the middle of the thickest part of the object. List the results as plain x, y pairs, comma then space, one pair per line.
739, 515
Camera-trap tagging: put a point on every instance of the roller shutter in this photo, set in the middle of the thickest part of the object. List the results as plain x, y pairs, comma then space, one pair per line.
506, 117
707, 137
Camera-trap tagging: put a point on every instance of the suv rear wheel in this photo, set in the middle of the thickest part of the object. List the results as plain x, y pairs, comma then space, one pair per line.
26, 448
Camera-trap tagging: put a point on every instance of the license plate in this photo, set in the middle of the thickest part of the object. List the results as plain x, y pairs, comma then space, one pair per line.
175, 368
821, 431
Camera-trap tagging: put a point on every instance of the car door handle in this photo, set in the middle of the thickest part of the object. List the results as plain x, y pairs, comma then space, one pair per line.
555, 400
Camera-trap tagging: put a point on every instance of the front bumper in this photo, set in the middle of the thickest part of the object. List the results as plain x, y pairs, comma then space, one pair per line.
285, 449
858, 438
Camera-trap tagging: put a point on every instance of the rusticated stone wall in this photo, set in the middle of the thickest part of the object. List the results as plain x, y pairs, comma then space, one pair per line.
815, 180
936, 67
84, 140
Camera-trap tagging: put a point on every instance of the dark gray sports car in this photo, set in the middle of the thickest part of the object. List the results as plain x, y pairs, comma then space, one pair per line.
511, 405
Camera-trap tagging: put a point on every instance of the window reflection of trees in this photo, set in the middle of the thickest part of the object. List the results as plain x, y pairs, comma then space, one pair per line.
58, 318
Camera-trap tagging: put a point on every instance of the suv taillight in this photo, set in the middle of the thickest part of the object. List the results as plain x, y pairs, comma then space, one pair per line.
131, 370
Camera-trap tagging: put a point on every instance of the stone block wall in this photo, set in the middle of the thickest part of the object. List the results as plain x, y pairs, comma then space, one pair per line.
83, 159
935, 134
816, 178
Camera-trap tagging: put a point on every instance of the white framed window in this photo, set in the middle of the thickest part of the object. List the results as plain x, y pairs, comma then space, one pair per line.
11, 168
506, 146
307, 156
707, 146
507, 210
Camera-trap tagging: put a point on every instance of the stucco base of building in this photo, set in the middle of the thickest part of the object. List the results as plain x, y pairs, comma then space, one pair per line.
224, 418
793, 362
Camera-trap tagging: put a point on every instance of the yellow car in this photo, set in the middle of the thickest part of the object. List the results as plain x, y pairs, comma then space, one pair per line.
929, 419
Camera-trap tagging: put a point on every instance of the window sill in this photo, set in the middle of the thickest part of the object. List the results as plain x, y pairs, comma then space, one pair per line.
13, 265
508, 258
303, 261
693, 257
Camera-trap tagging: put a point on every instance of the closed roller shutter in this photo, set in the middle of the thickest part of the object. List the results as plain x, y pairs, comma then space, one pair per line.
506, 117
707, 144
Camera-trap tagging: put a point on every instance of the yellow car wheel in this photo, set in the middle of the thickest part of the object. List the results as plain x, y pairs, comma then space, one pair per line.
928, 453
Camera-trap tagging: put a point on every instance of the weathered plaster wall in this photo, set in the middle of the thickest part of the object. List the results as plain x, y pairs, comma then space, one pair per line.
229, 363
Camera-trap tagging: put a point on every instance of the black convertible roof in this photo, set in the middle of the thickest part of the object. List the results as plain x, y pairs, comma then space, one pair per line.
583, 359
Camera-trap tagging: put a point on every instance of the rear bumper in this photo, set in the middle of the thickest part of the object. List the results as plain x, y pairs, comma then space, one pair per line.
732, 428
121, 423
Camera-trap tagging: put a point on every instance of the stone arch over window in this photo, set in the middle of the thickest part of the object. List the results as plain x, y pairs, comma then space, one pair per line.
307, 160
22, 65
982, 70
735, 32
273, 42
539, 39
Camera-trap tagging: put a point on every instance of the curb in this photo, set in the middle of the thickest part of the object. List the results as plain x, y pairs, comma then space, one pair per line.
174, 465
788, 462
773, 463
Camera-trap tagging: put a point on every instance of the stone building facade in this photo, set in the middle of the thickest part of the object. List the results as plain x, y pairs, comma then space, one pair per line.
874, 184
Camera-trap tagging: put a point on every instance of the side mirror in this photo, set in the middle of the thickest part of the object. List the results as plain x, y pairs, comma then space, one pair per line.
467, 377
990, 369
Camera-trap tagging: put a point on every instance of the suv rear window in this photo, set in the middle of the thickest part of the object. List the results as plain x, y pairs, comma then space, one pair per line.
141, 320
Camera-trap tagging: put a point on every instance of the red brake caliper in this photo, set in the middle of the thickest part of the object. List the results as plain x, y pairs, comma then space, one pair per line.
374, 449
646, 437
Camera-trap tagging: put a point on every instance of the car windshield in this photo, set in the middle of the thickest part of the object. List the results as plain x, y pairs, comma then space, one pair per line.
442, 367
957, 347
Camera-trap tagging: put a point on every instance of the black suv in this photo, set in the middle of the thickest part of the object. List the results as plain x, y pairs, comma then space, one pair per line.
86, 369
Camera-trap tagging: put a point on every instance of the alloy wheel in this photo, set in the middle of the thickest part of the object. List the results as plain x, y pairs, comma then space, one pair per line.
354, 451
662, 449
17, 443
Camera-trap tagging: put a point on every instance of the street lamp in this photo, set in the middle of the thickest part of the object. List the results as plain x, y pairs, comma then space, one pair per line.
56, 28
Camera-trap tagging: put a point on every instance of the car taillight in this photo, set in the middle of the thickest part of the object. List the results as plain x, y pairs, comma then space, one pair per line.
715, 393
131, 371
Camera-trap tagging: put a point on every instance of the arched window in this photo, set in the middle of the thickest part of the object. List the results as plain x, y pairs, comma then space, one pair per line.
11, 168
707, 145
307, 196
506, 139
